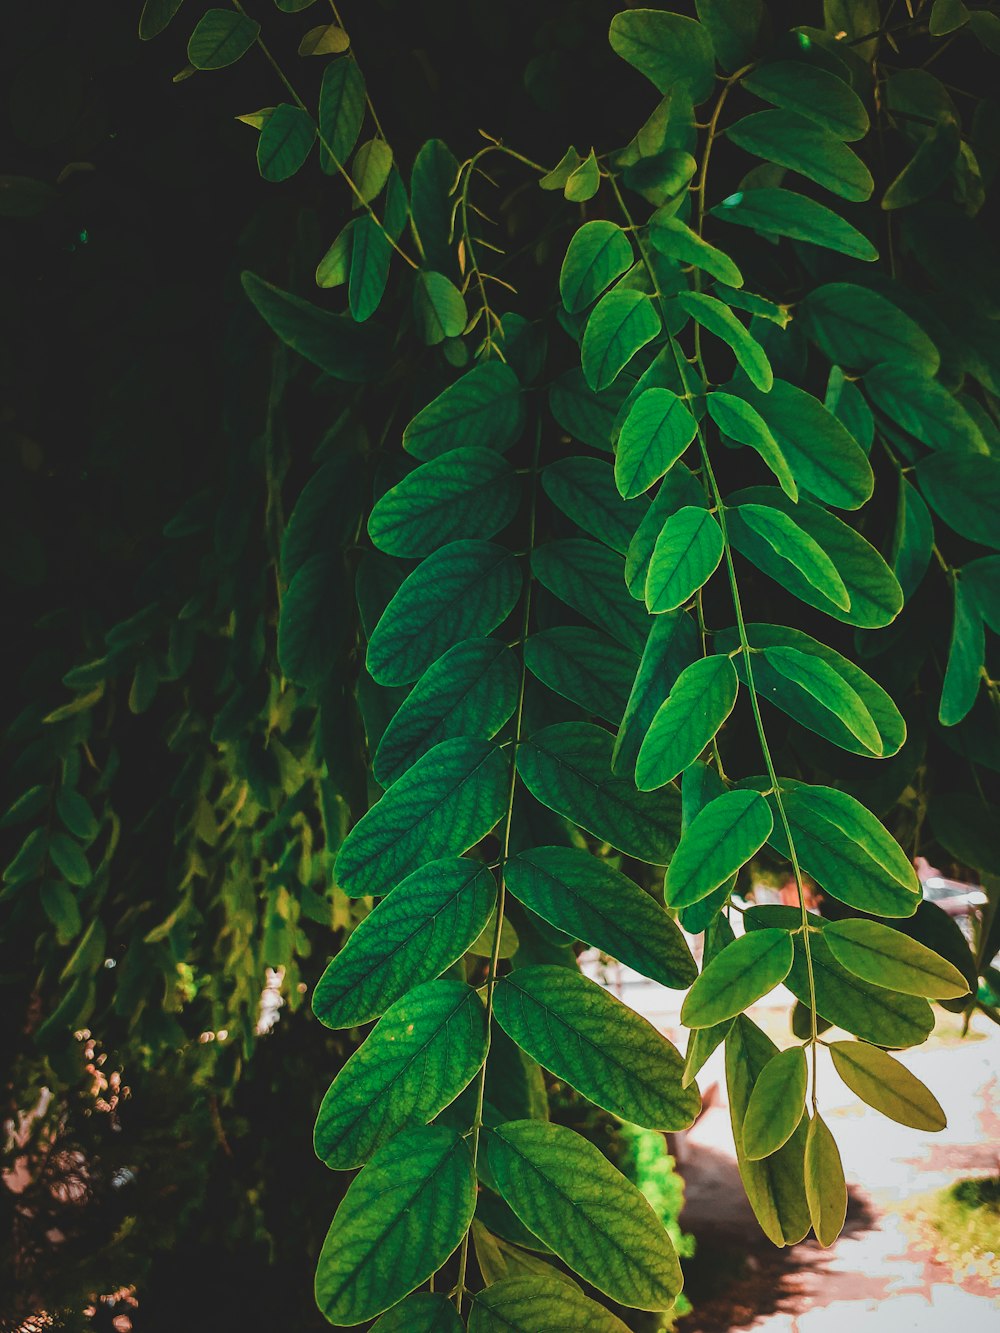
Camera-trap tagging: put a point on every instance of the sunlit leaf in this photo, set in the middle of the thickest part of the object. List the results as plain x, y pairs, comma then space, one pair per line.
718, 319
736, 978
717, 842
598, 253
826, 1189
888, 958
656, 432
622, 323
776, 212
888, 1086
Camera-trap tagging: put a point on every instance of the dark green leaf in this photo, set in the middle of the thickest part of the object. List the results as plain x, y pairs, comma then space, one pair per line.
470, 691
855, 327
220, 38
285, 142
341, 112
777, 212
155, 16
586, 1037
676, 240
461, 590
733, 26
371, 256
598, 253
568, 768
426, 923
590, 578
585, 666
467, 492
332, 342
69, 858
912, 539
417, 1059
442, 806
791, 543
482, 408
566, 1192
400, 1219
537, 1304
591, 901
966, 660
583, 489
794, 142
584, 415
924, 408
929, 166
811, 92
964, 490
421, 1312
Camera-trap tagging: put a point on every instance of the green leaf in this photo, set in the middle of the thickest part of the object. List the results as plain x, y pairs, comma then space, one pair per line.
536, 1304
775, 1186
561, 172
776, 212
744, 424
591, 901
482, 408
881, 1016
966, 660
678, 488
220, 38
328, 39
857, 328
717, 318
776, 1104
427, 922
470, 691
565, 1191
964, 490
372, 164
584, 181
583, 489
671, 646
467, 492
285, 142
587, 1038
669, 49
589, 578
76, 813
830, 690
981, 581
826, 1189
69, 858
847, 851
622, 322
155, 16
438, 307
876, 597
341, 112
794, 142
586, 416
824, 457
461, 590
676, 240
699, 702
60, 906
912, 539
743, 973
27, 805
414, 1062
656, 432
686, 554
598, 253
733, 26
702, 1042
885, 1084
371, 257
334, 269
400, 1219
718, 841
584, 666
791, 543
29, 859
888, 958
929, 166
451, 797
946, 16
421, 1312
812, 92
924, 408
334, 343
568, 768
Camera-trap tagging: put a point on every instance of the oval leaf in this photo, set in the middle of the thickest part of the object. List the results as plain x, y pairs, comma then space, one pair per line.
716, 844
743, 973
699, 703
776, 1103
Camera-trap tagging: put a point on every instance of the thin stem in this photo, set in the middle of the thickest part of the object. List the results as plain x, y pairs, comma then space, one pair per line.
491, 979
266, 52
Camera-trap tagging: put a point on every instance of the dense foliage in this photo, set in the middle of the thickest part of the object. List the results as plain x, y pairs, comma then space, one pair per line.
561, 601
